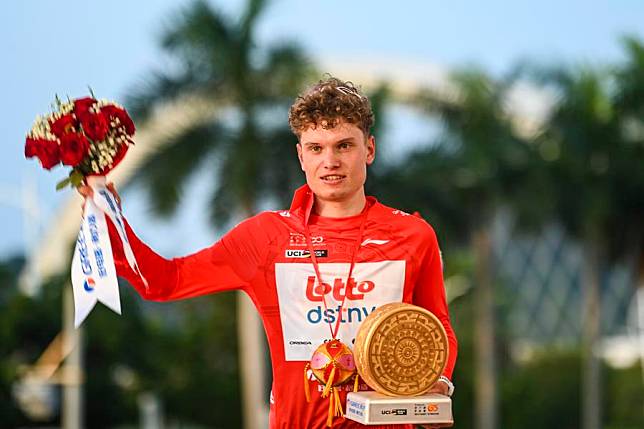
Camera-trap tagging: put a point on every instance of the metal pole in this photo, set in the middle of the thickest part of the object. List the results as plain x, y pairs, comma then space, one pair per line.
150, 412
252, 364
639, 306
72, 406
591, 336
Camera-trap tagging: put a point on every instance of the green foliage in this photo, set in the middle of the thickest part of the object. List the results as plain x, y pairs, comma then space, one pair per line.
593, 148
623, 402
543, 392
219, 60
478, 164
74, 180
188, 360
584, 170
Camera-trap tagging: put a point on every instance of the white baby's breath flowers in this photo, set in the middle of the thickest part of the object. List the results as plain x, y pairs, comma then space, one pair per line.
41, 129
102, 152
66, 108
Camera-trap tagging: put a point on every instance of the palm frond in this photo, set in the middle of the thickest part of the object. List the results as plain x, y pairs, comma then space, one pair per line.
201, 38
238, 175
223, 204
630, 79
284, 73
380, 97
421, 183
158, 88
281, 173
248, 22
165, 173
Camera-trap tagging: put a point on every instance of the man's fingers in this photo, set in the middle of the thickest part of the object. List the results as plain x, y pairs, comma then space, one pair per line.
112, 189
85, 191
88, 192
439, 387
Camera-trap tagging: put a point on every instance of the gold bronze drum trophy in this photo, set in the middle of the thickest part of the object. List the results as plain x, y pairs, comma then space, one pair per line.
400, 351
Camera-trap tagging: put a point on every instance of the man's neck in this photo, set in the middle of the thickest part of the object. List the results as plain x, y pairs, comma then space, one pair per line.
337, 209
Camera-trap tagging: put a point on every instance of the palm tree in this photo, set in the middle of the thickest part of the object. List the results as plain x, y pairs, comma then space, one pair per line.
597, 188
248, 145
218, 59
478, 165
629, 105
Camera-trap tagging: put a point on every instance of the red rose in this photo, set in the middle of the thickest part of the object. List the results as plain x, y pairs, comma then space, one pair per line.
95, 126
47, 151
63, 125
31, 147
113, 112
82, 106
73, 148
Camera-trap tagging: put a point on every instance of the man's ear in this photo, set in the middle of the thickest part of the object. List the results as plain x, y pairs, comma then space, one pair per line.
299, 155
371, 149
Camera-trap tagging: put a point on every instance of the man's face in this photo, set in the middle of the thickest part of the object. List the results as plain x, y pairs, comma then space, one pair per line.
335, 160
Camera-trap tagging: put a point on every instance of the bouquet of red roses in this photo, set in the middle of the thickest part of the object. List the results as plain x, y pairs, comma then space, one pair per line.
87, 134
91, 136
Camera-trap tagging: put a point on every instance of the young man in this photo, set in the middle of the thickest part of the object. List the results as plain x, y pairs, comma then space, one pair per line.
295, 264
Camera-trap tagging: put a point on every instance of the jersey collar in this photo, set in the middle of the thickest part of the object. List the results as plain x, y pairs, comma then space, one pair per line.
303, 199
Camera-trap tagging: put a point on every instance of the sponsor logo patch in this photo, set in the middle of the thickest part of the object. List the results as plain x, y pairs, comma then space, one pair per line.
89, 284
308, 307
372, 241
297, 239
395, 412
304, 253
300, 343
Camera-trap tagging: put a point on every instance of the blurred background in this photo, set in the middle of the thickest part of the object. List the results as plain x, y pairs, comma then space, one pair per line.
515, 128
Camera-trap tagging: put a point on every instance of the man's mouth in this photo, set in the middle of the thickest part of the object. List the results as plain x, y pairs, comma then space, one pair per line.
332, 178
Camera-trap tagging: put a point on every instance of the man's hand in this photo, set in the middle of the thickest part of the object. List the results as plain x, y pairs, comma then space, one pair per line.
87, 192
441, 388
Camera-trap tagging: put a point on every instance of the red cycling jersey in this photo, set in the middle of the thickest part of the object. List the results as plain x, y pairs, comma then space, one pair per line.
267, 257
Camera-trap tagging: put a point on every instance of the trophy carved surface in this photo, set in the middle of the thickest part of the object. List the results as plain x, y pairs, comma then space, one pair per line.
401, 349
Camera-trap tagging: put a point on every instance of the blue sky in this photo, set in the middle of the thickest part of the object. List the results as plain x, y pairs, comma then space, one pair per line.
62, 47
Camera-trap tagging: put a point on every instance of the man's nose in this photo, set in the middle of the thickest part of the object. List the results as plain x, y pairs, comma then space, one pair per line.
331, 159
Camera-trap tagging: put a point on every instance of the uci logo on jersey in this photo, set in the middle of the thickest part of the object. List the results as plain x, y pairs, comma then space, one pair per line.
302, 253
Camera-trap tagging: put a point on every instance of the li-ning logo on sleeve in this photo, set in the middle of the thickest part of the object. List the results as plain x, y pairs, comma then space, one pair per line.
400, 212
372, 241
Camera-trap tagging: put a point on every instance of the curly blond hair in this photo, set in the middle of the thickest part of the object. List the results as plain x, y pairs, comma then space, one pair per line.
327, 104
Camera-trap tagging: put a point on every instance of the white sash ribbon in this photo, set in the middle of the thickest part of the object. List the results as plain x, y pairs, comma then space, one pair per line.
93, 272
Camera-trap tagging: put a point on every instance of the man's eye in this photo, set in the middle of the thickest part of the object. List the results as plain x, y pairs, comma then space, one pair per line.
343, 145
315, 148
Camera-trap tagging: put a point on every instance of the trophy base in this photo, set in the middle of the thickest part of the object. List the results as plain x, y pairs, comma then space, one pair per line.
373, 408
